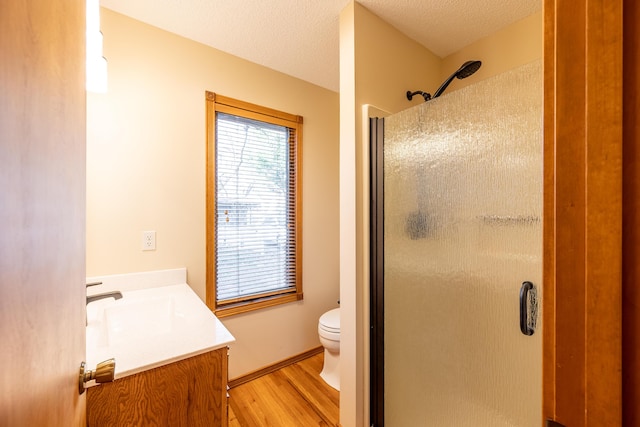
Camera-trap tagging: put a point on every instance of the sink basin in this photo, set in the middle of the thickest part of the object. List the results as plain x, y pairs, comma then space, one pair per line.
151, 327
136, 321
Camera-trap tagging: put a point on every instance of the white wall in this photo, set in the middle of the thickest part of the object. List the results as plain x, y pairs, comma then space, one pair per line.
146, 171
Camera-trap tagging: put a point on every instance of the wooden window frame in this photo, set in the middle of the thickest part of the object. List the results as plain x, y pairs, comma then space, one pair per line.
217, 103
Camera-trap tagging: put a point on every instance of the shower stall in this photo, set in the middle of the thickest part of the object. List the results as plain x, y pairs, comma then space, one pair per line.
456, 249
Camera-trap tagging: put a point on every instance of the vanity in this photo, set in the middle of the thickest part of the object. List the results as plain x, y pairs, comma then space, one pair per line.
170, 352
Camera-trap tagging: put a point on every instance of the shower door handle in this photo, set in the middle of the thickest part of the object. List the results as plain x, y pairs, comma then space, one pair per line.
524, 312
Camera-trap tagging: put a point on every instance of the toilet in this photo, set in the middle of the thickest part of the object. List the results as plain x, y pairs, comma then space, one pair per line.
329, 332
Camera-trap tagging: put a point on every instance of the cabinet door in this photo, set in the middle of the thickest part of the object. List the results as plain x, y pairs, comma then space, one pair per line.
187, 393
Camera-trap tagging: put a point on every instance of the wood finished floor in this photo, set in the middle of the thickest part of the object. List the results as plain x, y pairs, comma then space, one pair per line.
292, 396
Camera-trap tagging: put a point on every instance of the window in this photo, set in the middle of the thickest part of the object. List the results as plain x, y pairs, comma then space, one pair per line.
254, 247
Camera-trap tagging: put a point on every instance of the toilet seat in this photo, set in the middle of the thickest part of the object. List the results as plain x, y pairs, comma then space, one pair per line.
328, 329
330, 321
329, 335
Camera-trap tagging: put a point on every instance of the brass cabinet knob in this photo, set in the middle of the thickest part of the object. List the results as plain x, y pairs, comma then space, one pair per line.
104, 373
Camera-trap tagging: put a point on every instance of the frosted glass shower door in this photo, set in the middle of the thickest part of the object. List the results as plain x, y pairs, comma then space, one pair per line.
462, 232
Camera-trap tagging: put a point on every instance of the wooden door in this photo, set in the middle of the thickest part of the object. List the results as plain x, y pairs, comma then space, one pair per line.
42, 212
583, 212
631, 218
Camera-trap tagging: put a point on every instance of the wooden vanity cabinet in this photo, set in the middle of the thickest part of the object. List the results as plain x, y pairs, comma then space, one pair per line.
188, 393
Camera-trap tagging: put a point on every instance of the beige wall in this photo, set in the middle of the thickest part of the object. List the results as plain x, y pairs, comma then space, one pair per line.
515, 45
146, 171
377, 66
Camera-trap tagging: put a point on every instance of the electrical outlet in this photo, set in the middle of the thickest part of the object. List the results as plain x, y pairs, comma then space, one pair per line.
148, 240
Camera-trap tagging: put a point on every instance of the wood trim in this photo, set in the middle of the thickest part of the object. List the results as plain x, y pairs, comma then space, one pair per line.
230, 303
274, 367
631, 217
582, 259
298, 205
214, 103
247, 306
569, 193
256, 115
603, 168
247, 106
210, 276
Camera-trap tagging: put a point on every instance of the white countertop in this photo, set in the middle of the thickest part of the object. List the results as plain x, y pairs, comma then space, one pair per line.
150, 327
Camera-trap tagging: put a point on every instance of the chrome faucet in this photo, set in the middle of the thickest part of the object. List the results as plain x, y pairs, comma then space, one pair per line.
114, 294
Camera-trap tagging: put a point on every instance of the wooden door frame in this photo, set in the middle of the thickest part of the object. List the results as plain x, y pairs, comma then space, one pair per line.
631, 217
583, 133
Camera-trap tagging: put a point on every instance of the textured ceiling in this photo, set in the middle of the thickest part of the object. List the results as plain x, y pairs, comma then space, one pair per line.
300, 37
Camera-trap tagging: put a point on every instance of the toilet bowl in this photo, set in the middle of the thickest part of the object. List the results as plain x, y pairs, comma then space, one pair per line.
329, 332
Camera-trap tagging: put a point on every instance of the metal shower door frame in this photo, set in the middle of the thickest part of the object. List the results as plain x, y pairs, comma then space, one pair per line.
376, 263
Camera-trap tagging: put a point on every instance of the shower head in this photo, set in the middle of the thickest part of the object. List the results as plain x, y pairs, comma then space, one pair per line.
463, 72
467, 69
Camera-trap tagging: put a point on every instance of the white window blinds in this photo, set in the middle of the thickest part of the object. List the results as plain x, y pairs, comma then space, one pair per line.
255, 209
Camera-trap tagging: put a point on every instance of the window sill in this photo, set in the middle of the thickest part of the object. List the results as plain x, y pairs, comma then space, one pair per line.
245, 307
